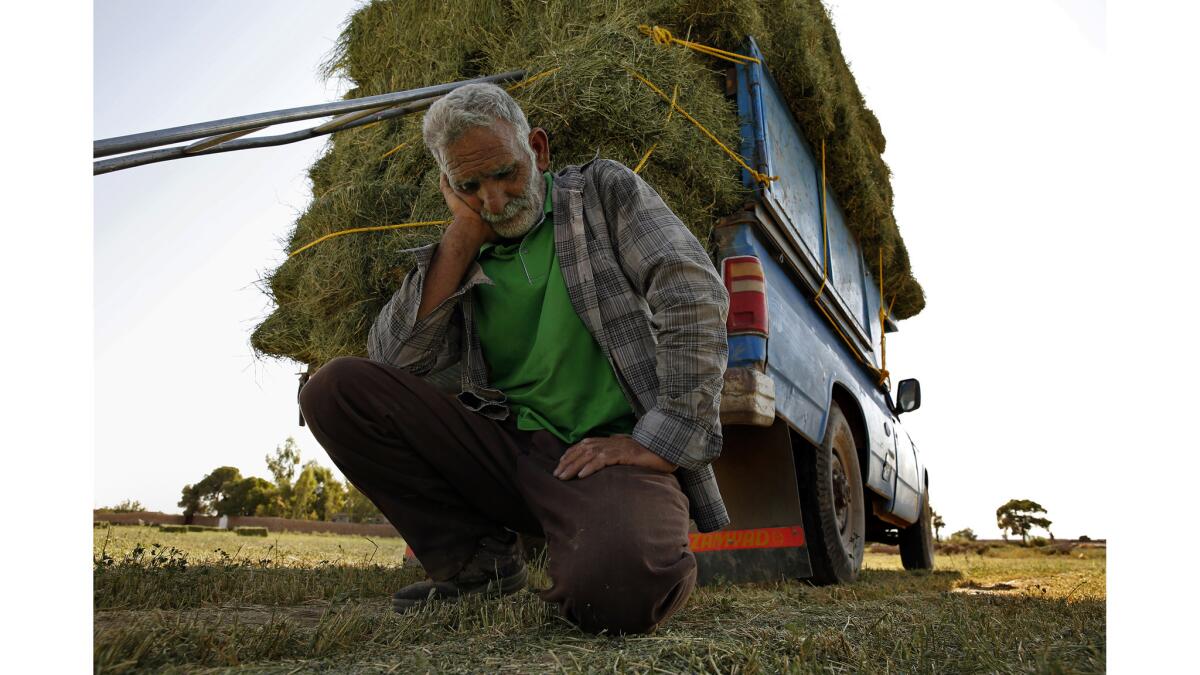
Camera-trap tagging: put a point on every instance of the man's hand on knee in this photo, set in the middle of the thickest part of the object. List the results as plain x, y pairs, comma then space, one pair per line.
592, 454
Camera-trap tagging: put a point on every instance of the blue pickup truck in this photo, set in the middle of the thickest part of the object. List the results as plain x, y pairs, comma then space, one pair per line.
815, 462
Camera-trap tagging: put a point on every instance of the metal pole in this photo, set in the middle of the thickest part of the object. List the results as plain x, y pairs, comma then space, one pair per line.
150, 139
179, 152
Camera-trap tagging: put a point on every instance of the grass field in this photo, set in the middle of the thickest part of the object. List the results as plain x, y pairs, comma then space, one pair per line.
215, 601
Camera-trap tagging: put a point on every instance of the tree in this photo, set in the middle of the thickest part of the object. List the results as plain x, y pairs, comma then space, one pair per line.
202, 498
244, 497
964, 535
304, 493
283, 463
359, 507
1019, 516
316, 495
937, 523
190, 501
275, 506
331, 495
224, 492
125, 506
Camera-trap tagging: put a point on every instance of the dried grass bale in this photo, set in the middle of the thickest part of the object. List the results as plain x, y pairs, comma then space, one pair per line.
327, 297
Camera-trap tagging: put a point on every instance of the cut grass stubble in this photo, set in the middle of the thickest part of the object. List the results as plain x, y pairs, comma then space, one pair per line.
322, 602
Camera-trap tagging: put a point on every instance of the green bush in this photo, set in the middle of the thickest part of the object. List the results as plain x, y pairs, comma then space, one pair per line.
251, 531
1057, 548
200, 528
962, 547
100, 524
172, 528
964, 535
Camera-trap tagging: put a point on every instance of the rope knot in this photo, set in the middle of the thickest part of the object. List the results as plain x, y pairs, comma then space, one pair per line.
659, 34
663, 36
762, 177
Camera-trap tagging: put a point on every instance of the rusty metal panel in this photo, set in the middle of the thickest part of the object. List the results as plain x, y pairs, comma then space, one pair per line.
753, 565
757, 475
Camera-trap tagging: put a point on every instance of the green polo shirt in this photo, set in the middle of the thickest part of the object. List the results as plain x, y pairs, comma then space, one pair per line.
538, 351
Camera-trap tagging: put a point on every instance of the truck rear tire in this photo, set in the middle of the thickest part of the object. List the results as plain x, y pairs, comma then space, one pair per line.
833, 501
916, 540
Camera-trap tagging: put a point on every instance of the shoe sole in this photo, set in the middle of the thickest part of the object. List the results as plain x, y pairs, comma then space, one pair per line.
505, 586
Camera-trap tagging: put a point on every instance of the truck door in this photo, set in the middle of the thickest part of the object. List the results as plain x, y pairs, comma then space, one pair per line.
906, 504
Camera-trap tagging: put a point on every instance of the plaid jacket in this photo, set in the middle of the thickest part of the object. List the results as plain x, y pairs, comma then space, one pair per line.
646, 290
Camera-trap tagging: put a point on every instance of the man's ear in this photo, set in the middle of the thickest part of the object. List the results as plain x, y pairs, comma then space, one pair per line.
540, 142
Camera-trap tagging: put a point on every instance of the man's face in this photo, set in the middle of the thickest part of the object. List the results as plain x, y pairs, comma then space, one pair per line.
497, 177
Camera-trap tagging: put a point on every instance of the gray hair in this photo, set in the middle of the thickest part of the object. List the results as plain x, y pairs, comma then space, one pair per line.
470, 106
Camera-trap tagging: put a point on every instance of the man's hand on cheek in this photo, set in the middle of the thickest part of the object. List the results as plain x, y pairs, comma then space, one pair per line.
467, 223
592, 454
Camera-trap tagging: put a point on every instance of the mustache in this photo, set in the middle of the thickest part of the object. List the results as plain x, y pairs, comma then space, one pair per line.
511, 209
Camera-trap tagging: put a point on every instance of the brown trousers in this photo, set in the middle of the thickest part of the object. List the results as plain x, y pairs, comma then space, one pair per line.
446, 476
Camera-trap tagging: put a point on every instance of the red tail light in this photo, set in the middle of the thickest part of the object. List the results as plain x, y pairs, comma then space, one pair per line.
747, 288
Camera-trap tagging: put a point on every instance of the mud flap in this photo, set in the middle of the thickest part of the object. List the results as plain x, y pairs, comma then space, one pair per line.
765, 539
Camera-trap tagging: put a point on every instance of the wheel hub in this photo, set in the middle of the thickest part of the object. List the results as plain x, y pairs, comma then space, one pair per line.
841, 496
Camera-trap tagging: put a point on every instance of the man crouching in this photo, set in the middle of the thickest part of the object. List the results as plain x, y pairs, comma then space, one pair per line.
589, 324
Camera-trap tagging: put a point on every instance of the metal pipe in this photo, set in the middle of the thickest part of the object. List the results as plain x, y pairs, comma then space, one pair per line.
112, 146
342, 120
178, 152
202, 145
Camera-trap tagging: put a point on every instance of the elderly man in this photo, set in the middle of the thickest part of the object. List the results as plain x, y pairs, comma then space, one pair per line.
590, 328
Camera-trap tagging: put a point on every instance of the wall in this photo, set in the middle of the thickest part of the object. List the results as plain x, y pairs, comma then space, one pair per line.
272, 524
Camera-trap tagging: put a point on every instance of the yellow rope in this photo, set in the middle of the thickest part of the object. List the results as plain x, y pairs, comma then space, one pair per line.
883, 313
389, 153
824, 231
674, 106
760, 177
670, 111
645, 157
663, 36
825, 278
374, 228
534, 78
394, 150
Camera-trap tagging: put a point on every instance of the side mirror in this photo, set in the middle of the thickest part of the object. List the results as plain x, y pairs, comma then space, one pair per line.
908, 396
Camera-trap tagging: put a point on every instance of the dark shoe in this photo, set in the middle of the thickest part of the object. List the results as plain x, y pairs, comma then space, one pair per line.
497, 569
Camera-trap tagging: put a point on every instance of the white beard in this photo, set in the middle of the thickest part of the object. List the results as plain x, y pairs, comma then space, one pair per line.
521, 213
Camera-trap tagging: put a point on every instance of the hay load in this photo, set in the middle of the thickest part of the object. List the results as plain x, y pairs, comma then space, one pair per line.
327, 296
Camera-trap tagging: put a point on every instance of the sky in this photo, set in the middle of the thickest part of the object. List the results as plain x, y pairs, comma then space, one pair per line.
180, 246
991, 116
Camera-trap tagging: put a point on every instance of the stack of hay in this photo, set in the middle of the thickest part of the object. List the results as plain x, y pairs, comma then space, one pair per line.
327, 296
